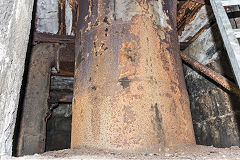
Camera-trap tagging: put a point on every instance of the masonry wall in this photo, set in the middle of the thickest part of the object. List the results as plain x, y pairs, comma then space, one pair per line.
59, 128
215, 111
15, 22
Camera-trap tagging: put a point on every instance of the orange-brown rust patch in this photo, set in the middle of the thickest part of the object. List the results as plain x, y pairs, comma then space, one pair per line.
159, 65
127, 59
186, 14
136, 108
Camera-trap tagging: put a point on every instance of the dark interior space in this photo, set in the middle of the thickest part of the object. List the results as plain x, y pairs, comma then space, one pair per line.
60, 120
44, 118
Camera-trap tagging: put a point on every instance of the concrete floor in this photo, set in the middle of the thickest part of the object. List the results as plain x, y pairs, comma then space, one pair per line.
184, 152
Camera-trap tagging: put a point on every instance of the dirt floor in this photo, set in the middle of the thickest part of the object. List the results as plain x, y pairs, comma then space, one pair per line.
186, 152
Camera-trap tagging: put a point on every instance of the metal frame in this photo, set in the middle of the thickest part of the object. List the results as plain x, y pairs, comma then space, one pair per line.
229, 37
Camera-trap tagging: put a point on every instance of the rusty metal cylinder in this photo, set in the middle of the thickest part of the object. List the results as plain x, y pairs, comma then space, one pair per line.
129, 93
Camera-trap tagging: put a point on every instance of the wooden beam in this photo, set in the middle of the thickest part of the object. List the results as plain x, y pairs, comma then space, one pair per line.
237, 33
230, 2
228, 36
61, 89
206, 2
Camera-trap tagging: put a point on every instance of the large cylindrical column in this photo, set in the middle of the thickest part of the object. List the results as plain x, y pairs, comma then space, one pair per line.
129, 93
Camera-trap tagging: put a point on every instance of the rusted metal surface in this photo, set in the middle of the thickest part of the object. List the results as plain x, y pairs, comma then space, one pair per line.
129, 92
52, 38
36, 105
61, 17
66, 59
74, 5
65, 53
187, 13
33, 124
218, 78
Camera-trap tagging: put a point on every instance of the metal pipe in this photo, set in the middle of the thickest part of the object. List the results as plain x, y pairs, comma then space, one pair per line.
218, 78
129, 92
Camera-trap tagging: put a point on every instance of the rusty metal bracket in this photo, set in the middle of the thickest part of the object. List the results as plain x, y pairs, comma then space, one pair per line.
52, 38
218, 78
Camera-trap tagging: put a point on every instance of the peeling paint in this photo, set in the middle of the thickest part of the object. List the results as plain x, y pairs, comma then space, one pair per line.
124, 10
159, 16
140, 103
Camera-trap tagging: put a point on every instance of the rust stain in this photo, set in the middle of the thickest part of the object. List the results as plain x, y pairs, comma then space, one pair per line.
33, 130
127, 59
74, 5
61, 17
187, 13
140, 102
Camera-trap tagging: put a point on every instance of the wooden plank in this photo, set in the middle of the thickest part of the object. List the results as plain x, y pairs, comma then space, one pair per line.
61, 89
230, 41
230, 2
206, 2
198, 1
237, 33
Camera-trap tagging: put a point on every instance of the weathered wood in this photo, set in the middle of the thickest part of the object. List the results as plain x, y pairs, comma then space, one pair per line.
61, 89
229, 39
237, 33
230, 2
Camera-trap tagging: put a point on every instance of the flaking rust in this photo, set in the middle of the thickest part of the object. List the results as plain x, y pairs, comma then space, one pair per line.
129, 92
75, 14
61, 17
187, 13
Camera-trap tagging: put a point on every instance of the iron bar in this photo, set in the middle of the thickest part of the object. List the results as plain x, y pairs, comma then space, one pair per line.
52, 38
218, 78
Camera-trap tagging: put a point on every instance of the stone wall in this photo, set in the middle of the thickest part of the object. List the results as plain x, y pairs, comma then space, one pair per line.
59, 128
215, 111
48, 16
15, 22
60, 122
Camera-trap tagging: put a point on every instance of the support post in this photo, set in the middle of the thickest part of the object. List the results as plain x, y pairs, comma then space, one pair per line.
129, 93
35, 107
